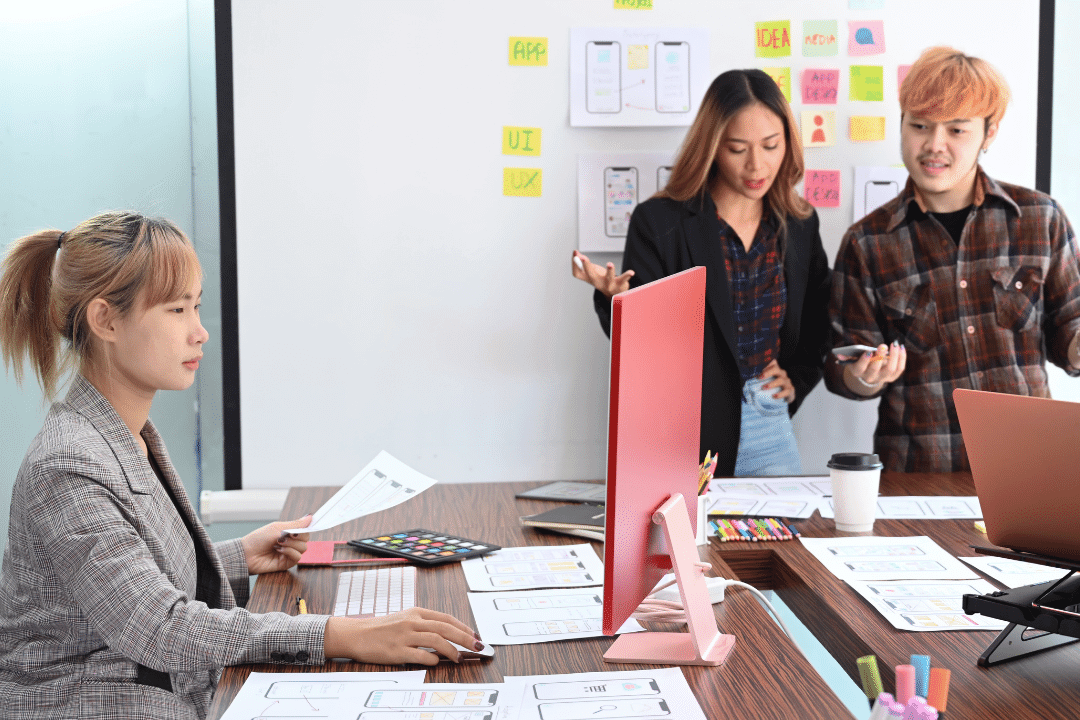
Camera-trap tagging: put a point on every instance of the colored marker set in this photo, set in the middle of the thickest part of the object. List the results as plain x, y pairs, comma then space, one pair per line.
921, 693
752, 530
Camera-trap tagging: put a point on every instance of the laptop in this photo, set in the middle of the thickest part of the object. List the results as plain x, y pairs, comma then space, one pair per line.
1025, 460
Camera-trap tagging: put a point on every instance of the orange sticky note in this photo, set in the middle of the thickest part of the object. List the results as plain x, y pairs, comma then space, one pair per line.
864, 128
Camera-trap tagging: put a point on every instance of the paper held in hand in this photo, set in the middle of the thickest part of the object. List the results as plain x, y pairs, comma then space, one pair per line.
383, 483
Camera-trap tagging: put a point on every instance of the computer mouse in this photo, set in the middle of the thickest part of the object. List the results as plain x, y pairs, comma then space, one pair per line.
468, 654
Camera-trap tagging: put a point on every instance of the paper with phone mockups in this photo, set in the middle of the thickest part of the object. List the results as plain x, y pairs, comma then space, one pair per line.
887, 558
523, 617
818, 485
785, 506
383, 483
636, 694
927, 605
929, 507
311, 695
530, 568
1014, 573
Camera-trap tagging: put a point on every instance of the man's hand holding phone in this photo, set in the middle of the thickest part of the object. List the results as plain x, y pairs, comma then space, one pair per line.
868, 369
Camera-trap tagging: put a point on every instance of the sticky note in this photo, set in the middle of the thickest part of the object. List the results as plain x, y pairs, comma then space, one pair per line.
522, 182
772, 39
637, 57
866, 37
633, 4
901, 73
820, 86
821, 188
528, 51
863, 128
782, 76
865, 83
818, 128
520, 140
819, 38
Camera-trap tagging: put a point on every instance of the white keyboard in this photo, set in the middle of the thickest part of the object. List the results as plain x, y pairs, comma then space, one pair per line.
376, 592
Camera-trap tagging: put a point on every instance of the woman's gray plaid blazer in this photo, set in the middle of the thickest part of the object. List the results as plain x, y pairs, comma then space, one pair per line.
99, 577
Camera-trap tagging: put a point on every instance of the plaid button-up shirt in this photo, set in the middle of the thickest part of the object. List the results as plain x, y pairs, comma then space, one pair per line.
985, 313
758, 294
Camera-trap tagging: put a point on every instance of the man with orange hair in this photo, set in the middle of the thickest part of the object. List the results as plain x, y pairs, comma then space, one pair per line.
960, 281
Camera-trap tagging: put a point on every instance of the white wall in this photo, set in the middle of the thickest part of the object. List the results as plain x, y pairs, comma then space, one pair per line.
391, 298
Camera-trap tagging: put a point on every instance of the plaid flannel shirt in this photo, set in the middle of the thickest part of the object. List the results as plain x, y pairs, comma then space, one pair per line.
985, 313
758, 295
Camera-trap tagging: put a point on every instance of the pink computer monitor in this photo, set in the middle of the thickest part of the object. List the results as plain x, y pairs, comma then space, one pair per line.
654, 430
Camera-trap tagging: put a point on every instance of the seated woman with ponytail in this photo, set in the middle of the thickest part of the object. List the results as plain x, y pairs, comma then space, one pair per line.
114, 603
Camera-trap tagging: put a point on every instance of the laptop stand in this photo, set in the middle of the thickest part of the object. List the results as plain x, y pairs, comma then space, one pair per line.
1040, 616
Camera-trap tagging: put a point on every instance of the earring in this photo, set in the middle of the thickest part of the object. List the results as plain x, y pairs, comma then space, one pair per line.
984, 150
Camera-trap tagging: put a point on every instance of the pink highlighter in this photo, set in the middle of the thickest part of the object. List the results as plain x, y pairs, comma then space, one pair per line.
905, 683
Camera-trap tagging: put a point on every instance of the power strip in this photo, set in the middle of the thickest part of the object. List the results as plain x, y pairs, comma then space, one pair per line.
716, 589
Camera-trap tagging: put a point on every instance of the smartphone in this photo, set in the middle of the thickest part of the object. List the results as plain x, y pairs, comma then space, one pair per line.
603, 77
663, 174
612, 688
672, 77
620, 198
853, 352
879, 192
589, 709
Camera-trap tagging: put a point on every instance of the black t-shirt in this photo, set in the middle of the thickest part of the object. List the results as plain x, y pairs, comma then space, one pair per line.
953, 221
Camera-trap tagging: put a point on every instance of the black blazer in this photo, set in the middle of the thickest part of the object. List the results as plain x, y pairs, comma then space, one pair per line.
666, 237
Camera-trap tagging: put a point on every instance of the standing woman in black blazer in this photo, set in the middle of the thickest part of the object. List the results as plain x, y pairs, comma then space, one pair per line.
731, 206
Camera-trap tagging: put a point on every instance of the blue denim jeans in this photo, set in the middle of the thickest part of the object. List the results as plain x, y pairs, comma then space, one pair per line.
766, 439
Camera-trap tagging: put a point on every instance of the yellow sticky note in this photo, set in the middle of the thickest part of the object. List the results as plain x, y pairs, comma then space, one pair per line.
864, 128
772, 39
521, 140
522, 182
528, 51
638, 57
633, 4
782, 76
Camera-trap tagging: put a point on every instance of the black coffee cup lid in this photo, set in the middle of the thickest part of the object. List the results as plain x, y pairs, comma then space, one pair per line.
854, 461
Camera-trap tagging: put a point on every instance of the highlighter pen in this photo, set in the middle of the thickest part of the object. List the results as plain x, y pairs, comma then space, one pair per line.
871, 678
921, 663
881, 706
939, 689
905, 683
301, 605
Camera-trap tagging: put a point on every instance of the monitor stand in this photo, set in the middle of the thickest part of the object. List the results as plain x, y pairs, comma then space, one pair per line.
703, 644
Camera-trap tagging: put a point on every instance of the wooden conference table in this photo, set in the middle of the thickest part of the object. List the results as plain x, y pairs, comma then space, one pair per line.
766, 676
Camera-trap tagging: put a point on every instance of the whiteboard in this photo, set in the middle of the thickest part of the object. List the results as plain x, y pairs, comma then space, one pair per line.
389, 297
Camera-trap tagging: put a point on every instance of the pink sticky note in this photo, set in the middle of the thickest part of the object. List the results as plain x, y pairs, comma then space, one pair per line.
820, 86
901, 73
821, 188
866, 37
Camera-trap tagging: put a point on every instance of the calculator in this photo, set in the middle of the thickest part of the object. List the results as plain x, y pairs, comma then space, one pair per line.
426, 547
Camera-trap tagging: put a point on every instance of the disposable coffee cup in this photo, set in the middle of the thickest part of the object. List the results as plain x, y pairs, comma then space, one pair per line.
855, 478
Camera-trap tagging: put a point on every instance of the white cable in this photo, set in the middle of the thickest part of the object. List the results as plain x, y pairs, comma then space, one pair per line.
658, 610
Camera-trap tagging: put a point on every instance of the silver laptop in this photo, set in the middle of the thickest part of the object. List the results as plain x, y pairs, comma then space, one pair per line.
1025, 459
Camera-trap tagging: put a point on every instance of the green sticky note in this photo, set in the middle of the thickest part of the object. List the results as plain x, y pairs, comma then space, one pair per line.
866, 83
782, 76
633, 4
772, 38
819, 38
